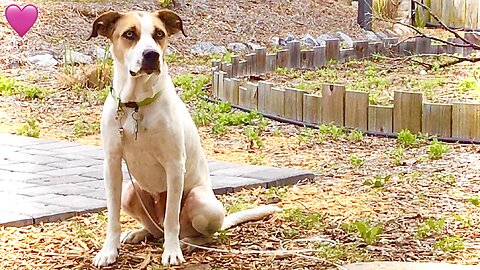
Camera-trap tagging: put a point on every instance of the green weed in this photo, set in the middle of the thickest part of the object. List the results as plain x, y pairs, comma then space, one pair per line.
356, 161
82, 128
307, 135
450, 244
367, 232
468, 84
465, 220
254, 137
355, 135
332, 131
398, 156
407, 139
430, 227
30, 128
378, 181
11, 87
437, 149
474, 200
306, 220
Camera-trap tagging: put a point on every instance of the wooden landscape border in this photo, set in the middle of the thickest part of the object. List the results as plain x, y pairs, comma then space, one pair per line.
336, 105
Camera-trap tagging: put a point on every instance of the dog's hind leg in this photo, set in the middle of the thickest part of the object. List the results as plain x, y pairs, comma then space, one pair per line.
133, 207
202, 214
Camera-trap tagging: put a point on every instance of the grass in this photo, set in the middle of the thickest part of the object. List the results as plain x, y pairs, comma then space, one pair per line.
82, 128
430, 227
356, 161
437, 149
12, 87
378, 181
365, 230
30, 128
450, 244
304, 219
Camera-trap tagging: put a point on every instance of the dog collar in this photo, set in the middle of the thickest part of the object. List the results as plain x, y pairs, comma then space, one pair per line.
132, 104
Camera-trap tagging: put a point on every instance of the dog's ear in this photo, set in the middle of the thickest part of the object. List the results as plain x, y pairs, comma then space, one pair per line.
104, 24
172, 21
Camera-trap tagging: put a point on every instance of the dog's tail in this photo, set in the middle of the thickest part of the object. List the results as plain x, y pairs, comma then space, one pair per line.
248, 215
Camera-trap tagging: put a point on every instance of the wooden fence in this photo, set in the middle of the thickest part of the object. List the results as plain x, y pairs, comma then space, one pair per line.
455, 13
336, 105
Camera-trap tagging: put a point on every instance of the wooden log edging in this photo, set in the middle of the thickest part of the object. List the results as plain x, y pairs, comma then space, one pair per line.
351, 109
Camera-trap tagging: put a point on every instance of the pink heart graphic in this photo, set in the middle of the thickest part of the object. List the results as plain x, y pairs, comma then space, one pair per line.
21, 19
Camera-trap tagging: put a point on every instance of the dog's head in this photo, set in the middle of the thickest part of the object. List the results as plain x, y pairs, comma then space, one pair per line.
139, 39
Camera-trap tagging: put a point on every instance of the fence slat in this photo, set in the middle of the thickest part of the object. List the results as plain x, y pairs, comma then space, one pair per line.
235, 62
407, 111
312, 108
264, 94
225, 91
294, 52
261, 58
243, 98
466, 120
242, 68
306, 59
380, 118
277, 104
437, 119
271, 62
215, 85
282, 58
376, 47
333, 49
234, 87
361, 49
423, 45
221, 81
356, 110
333, 104
319, 56
294, 104
252, 93
251, 66
346, 55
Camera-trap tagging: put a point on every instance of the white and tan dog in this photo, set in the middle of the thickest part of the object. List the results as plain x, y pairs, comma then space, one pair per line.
146, 124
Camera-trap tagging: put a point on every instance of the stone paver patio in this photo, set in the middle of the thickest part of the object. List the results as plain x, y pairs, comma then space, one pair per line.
45, 181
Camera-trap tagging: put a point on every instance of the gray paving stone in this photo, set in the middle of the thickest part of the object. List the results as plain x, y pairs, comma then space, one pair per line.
214, 165
14, 187
86, 162
52, 145
80, 204
38, 152
38, 211
94, 153
5, 161
17, 176
11, 140
97, 184
9, 149
239, 171
15, 220
36, 159
26, 167
57, 180
62, 189
71, 171
279, 176
77, 149
9, 198
232, 184
98, 194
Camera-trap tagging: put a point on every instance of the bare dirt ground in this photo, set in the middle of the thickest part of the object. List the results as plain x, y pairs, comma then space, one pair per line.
406, 193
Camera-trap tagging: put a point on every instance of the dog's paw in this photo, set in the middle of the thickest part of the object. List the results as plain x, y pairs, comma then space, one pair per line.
135, 237
172, 255
105, 256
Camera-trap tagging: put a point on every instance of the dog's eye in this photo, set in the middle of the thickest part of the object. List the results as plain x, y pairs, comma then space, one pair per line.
129, 35
159, 35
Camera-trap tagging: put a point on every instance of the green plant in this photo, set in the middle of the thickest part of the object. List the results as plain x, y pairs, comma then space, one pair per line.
355, 135
356, 161
406, 138
30, 128
331, 130
238, 204
474, 200
437, 149
444, 178
465, 220
165, 3
306, 220
307, 135
256, 159
10, 87
378, 181
82, 128
450, 244
367, 232
254, 137
468, 84
430, 226
398, 156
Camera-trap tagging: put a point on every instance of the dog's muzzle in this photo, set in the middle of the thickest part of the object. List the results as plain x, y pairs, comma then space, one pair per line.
150, 63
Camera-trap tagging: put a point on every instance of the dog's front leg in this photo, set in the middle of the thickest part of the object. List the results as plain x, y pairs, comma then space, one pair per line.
113, 187
172, 253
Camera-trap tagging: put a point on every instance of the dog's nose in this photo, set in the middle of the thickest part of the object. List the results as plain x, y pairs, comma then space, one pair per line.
150, 56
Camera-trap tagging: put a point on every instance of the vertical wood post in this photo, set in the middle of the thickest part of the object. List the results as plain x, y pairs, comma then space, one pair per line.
319, 56
466, 120
264, 94
294, 51
260, 57
356, 110
294, 104
312, 109
333, 49
380, 118
333, 104
437, 119
407, 111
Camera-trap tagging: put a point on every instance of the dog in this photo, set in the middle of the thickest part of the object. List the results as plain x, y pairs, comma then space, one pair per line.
146, 124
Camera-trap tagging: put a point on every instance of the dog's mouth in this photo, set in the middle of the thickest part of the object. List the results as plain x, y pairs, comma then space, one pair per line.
144, 71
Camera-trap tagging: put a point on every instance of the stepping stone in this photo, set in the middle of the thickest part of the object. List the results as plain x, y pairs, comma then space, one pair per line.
408, 266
